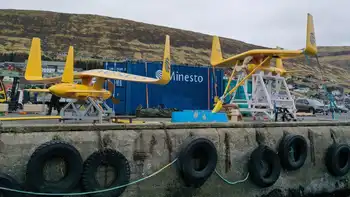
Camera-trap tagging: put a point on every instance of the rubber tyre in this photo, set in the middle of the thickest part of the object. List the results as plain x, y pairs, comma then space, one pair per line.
56, 148
260, 156
116, 160
299, 145
188, 182
9, 182
337, 159
195, 147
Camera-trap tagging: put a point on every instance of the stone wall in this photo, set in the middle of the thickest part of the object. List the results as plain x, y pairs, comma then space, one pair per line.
149, 147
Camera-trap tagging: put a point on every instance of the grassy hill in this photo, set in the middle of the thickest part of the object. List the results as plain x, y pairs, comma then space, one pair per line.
339, 56
106, 38
96, 37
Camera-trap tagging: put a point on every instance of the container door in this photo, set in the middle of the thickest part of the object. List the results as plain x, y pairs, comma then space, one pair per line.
135, 92
108, 66
119, 87
188, 88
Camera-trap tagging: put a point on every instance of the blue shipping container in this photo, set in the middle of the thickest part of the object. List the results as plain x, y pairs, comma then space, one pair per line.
136, 92
119, 87
189, 88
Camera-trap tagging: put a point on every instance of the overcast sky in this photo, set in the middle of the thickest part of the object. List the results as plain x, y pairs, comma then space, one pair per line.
263, 22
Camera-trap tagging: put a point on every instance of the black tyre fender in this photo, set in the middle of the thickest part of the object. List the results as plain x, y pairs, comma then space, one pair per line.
292, 151
114, 159
187, 181
264, 166
204, 150
9, 182
56, 148
337, 159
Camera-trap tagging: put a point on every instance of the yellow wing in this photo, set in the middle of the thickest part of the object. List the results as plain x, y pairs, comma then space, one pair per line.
33, 71
258, 52
69, 91
50, 80
311, 49
117, 75
108, 74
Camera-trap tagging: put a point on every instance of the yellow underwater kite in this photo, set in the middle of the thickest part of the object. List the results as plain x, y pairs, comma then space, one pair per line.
260, 59
65, 86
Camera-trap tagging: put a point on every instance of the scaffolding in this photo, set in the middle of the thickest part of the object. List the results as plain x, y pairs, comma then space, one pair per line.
270, 93
89, 109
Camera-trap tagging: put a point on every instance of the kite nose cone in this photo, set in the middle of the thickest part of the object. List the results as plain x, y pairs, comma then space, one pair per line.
52, 89
57, 90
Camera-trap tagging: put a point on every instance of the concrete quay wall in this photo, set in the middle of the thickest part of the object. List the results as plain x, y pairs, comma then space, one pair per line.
149, 147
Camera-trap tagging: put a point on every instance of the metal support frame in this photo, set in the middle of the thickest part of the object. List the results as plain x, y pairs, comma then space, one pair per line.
268, 93
332, 104
94, 110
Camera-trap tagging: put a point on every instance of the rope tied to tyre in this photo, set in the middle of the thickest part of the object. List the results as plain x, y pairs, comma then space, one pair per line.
197, 161
90, 192
264, 166
14, 186
105, 157
112, 188
54, 149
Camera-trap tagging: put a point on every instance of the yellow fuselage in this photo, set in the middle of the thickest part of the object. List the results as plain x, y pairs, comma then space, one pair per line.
274, 70
65, 90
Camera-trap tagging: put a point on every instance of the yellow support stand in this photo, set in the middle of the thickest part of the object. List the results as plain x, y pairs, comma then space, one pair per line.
219, 104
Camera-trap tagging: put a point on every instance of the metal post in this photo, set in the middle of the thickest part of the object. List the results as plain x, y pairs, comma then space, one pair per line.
146, 85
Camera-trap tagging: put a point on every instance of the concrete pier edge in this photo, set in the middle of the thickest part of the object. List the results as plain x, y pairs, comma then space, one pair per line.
148, 147
160, 125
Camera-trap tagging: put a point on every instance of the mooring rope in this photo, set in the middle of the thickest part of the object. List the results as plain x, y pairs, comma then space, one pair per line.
117, 187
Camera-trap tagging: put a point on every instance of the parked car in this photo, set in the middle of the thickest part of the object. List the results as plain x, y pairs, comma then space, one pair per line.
310, 105
347, 105
341, 109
